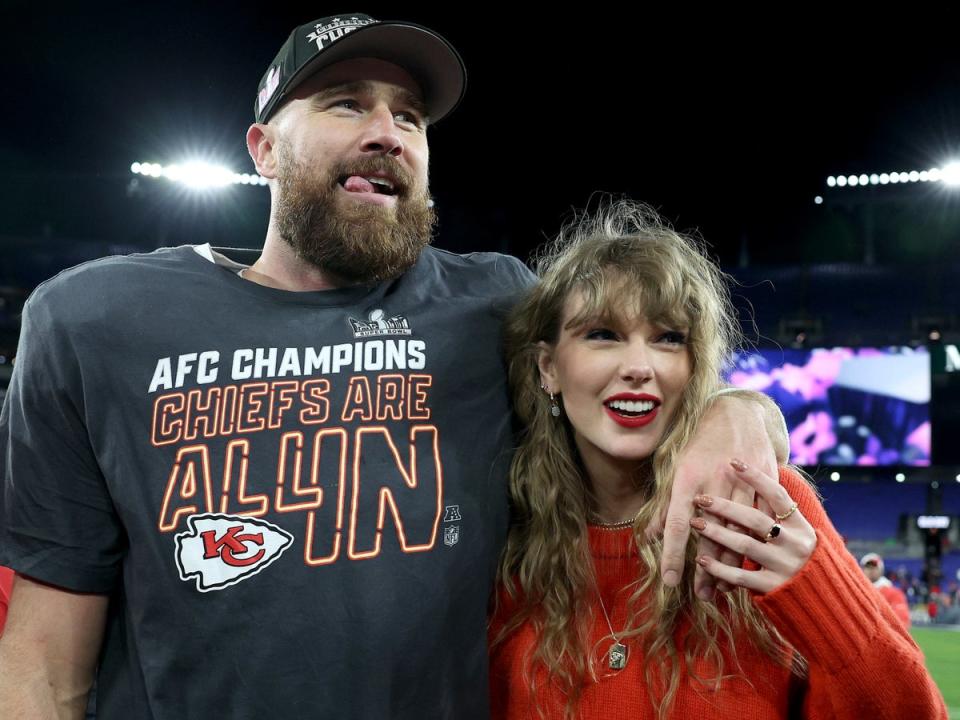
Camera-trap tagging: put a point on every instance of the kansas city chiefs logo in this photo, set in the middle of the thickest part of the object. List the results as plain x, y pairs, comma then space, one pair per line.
222, 550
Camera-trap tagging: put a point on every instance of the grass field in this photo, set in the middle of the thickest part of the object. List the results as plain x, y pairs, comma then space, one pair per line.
941, 647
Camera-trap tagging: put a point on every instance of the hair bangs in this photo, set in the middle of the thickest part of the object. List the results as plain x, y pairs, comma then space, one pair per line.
620, 295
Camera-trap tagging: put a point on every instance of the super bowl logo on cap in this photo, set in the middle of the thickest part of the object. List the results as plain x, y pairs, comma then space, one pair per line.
269, 87
336, 29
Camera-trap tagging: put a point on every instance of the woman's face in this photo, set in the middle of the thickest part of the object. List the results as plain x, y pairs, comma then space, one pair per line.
620, 383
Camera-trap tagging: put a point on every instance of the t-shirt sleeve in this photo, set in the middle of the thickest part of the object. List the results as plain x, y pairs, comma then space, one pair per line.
515, 279
57, 520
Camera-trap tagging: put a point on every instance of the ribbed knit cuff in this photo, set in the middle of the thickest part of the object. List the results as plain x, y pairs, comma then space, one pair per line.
823, 610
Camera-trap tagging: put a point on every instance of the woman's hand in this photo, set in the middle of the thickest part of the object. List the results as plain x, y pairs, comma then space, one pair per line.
780, 546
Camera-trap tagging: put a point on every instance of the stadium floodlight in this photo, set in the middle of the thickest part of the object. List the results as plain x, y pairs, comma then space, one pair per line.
197, 175
900, 477
950, 175
835, 476
818, 200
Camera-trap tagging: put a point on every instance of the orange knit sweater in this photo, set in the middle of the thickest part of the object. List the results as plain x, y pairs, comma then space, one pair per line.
862, 663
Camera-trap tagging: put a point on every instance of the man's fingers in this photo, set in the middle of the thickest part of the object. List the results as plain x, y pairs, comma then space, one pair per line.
655, 526
676, 531
704, 584
742, 494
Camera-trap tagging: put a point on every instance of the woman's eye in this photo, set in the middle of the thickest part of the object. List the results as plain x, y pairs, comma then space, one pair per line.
600, 334
674, 337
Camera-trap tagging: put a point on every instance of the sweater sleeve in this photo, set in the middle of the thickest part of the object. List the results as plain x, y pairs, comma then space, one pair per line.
862, 661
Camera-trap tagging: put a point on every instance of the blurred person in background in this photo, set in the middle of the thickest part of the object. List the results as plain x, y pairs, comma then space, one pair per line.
873, 568
948, 612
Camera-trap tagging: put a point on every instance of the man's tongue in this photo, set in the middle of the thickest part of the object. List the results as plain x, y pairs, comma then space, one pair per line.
357, 184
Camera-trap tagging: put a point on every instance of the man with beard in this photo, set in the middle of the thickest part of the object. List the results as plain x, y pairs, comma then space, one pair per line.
273, 491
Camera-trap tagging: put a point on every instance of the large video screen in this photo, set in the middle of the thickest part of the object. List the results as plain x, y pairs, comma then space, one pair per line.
846, 406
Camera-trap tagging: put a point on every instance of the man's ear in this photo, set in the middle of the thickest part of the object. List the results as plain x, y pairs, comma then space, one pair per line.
260, 145
548, 370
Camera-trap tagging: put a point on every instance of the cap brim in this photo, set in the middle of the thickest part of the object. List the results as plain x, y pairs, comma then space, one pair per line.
431, 61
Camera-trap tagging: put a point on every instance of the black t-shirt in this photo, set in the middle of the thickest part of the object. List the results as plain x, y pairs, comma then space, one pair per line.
294, 500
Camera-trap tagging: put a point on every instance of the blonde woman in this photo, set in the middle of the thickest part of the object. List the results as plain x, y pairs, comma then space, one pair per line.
613, 357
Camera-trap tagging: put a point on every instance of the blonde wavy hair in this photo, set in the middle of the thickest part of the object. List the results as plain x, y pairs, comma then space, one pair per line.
623, 251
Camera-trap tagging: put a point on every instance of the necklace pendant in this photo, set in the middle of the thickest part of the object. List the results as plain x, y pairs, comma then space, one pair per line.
618, 656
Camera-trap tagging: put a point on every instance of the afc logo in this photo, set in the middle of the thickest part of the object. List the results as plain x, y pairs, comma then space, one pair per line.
451, 533
221, 550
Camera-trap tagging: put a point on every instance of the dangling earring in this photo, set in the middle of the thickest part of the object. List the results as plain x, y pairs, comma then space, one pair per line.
554, 405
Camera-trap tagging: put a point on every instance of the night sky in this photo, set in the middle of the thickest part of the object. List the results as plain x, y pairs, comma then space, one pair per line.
728, 122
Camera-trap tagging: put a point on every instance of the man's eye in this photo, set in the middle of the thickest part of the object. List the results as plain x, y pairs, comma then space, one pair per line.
408, 118
600, 334
346, 103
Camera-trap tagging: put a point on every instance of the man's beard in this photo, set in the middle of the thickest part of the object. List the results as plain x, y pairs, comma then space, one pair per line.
356, 242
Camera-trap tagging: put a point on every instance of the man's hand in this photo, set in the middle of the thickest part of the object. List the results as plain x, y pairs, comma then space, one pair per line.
741, 424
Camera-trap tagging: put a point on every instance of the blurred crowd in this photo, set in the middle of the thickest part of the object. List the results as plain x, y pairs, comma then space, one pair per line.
930, 599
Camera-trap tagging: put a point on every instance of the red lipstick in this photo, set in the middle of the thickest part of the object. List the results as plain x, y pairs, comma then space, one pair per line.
639, 420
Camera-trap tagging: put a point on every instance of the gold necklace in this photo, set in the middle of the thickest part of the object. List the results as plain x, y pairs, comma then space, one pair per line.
598, 522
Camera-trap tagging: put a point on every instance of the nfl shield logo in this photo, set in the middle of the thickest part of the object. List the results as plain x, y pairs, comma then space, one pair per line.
451, 535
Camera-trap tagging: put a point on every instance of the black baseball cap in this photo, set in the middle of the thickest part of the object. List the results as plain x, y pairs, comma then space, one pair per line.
430, 59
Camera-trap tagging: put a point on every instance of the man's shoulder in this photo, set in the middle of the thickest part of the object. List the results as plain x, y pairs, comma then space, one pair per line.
491, 270
105, 281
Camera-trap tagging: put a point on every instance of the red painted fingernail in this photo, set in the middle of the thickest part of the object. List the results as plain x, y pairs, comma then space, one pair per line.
703, 561
739, 465
698, 523
703, 500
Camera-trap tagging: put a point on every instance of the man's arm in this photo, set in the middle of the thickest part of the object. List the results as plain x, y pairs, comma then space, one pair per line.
49, 651
740, 424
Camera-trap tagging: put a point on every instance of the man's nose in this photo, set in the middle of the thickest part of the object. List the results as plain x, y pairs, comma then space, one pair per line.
381, 134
